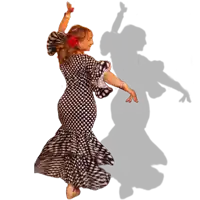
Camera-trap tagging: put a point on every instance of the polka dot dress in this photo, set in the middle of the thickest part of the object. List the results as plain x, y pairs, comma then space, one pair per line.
74, 153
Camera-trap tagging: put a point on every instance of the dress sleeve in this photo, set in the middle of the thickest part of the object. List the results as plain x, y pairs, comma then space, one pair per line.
53, 40
95, 71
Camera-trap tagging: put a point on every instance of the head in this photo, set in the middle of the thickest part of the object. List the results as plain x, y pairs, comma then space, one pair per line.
84, 37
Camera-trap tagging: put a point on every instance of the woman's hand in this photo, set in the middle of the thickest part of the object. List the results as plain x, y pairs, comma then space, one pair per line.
132, 93
185, 96
69, 7
132, 96
66, 18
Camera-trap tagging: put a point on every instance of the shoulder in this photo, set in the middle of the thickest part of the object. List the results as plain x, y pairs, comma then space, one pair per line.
89, 60
88, 57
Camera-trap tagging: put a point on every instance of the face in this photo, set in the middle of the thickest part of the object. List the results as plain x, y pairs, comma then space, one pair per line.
87, 42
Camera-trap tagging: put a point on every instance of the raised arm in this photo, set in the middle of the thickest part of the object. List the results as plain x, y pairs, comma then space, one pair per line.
65, 20
63, 25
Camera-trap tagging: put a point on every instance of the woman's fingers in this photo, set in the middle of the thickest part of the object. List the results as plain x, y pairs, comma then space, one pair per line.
127, 100
69, 7
130, 99
135, 99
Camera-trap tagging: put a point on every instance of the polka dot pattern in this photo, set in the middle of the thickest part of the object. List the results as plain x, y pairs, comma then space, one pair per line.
74, 153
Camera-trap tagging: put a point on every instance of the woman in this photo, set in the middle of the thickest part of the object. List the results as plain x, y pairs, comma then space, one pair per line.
74, 153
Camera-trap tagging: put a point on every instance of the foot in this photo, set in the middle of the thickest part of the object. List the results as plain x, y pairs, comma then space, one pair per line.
71, 192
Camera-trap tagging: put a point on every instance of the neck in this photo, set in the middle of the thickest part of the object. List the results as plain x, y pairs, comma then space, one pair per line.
79, 52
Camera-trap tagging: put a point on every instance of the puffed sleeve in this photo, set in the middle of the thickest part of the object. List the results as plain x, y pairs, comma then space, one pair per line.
53, 40
95, 71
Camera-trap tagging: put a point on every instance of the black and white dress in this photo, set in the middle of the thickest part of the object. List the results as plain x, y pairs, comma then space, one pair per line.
74, 153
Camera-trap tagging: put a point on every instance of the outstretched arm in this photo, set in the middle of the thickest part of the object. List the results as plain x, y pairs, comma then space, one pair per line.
65, 20
111, 79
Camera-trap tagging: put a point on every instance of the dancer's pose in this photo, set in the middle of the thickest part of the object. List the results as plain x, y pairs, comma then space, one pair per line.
74, 153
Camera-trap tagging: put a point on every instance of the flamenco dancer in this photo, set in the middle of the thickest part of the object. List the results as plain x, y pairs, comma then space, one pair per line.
74, 154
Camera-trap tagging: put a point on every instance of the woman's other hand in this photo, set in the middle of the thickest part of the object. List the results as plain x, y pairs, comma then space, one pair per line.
70, 9
132, 97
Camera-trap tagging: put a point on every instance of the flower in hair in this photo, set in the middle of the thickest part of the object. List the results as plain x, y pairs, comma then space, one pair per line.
72, 41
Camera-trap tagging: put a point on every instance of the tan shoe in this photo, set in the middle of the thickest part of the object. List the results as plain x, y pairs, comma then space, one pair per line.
72, 192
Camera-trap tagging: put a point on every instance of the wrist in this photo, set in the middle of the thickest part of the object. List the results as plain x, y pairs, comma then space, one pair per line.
123, 86
67, 14
126, 88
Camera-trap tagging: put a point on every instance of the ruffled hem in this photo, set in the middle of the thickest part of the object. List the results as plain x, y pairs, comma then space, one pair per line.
80, 171
75, 159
